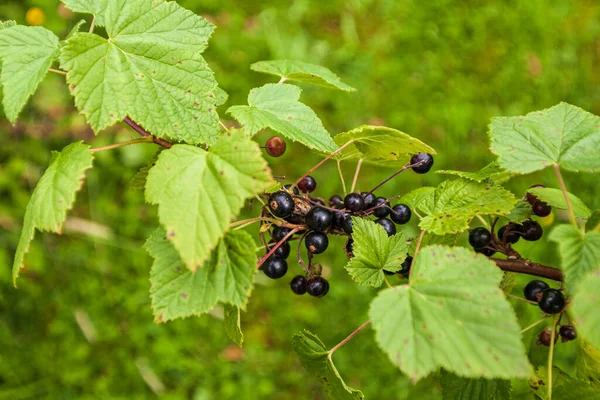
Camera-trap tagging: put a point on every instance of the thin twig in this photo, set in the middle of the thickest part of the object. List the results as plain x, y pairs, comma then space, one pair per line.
407, 166
550, 356
262, 261
224, 126
122, 144
57, 71
339, 167
93, 24
414, 260
387, 282
527, 267
356, 172
563, 187
300, 260
520, 298
162, 142
252, 220
536, 323
343, 342
320, 163
484, 222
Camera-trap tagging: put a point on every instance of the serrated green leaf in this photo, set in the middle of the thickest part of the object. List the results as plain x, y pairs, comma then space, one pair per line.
374, 251
563, 134
26, 53
509, 281
563, 386
315, 359
414, 198
300, 71
227, 276
555, 198
276, 106
96, 7
520, 213
53, 196
587, 364
432, 238
493, 172
457, 388
138, 182
7, 24
73, 31
149, 69
233, 324
579, 253
454, 325
221, 96
593, 223
377, 144
455, 203
586, 303
198, 192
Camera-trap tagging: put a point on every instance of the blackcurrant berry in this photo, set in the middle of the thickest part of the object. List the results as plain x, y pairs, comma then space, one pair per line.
317, 286
275, 267
308, 184
381, 211
335, 200
427, 160
282, 251
541, 209
545, 337
406, 266
316, 242
369, 199
532, 231
552, 301
279, 232
531, 198
479, 237
281, 204
350, 248
288, 186
295, 219
533, 288
275, 146
486, 251
512, 232
388, 225
354, 202
338, 217
400, 214
318, 219
347, 225
567, 333
298, 284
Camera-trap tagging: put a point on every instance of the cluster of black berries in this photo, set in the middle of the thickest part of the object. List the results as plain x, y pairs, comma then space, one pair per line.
550, 301
566, 332
314, 221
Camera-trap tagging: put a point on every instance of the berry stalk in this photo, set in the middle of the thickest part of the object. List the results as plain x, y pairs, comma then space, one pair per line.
270, 253
343, 342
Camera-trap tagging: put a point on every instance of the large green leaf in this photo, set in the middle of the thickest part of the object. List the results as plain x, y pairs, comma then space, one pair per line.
493, 172
26, 53
374, 251
451, 315
379, 144
457, 388
586, 303
301, 71
564, 387
563, 134
556, 198
53, 196
227, 277
149, 69
96, 7
579, 253
455, 203
415, 197
233, 324
276, 106
587, 364
315, 359
198, 192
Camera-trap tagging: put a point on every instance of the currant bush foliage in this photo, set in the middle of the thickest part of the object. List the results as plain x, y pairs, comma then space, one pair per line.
555, 198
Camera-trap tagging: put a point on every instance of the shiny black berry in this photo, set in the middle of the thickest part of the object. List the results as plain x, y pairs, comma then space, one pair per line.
388, 225
350, 248
308, 184
298, 284
318, 219
479, 237
281, 204
275, 267
541, 209
427, 160
369, 199
400, 214
552, 301
406, 266
282, 251
532, 231
354, 202
567, 333
531, 198
509, 233
275, 146
335, 200
279, 232
381, 211
317, 286
347, 225
338, 217
533, 288
288, 186
486, 251
316, 242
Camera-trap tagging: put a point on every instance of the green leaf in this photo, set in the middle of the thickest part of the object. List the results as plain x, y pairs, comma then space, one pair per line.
315, 359
586, 303
301, 71
379, 144
26, 53
593, 223
149, 69
563, 386
227, 277
587, 363
73, 31
198, 192
555, 198
520, 213
374, 251
233, 325
457, 388
493, 172
451, 315
96, 7
431, 238
579, 253
509, 281
414, 198
456, 202
53, 196
276, 106
7, 24
563, 134
138, 182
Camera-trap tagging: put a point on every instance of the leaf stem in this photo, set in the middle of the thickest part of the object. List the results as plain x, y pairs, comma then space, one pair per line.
343, 342
356, 172
320, 163
536, 323
224, 126
387, 282
57, 71
520, 298
412, 264
550, 356
563, 187
300, 260
339, 167
122, 144
93, 24
283, 79
483, 221
162, 142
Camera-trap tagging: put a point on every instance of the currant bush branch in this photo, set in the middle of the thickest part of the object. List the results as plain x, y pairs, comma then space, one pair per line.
123, 144
161, 142
343, 342
529, 268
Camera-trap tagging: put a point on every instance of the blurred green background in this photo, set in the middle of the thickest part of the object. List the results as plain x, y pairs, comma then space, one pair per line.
80, 324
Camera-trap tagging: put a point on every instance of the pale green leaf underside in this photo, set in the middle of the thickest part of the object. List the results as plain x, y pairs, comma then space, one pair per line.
494, 172
579, 253
457, 388
379, 144
150, 69
226, 277
464, 325
586, 303
555, 198
314, 358
199, 192
96, 7
53, 196
233, 324
26, 53
374, 251
301, 71
276, 106
563, 134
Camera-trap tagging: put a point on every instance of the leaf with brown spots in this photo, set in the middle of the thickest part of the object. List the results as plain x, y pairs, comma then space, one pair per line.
586, 303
